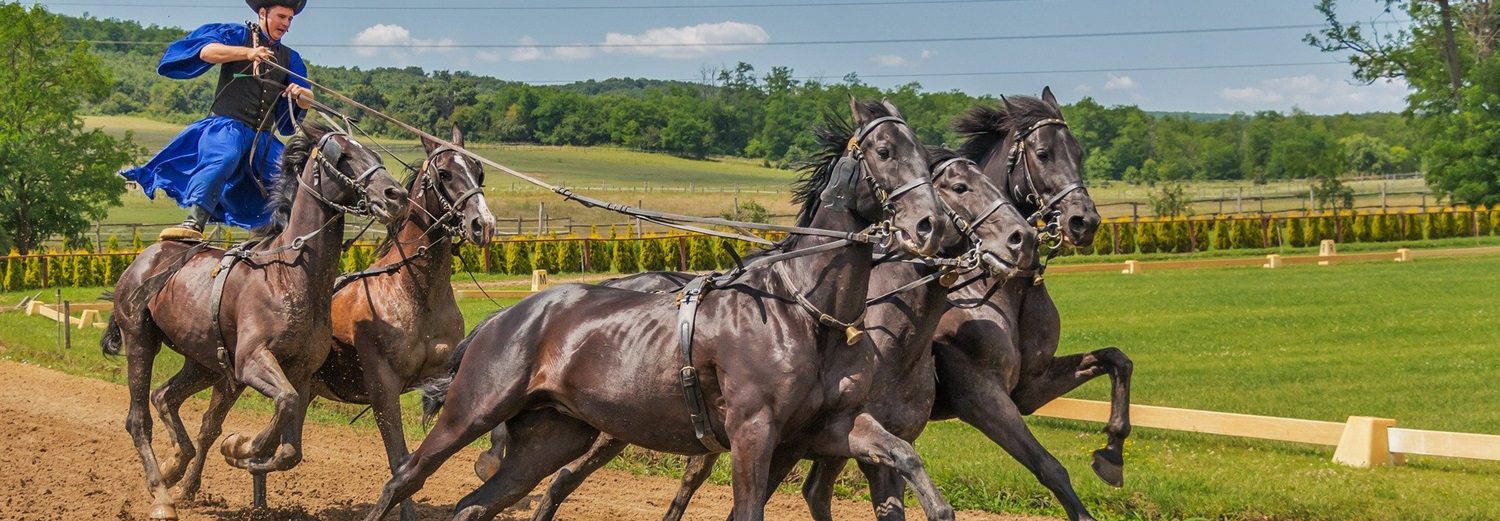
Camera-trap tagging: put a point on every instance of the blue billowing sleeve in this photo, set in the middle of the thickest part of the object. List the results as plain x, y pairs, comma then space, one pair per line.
283, 122
181, 60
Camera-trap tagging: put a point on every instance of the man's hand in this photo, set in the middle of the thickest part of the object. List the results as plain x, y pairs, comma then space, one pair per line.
259, 54
301, 95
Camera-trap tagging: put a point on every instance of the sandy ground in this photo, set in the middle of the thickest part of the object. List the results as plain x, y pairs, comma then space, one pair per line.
64, 454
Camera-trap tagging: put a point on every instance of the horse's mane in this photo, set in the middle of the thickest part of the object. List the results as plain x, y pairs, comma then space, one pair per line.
938, 155
816, 171
284, 189
986, 126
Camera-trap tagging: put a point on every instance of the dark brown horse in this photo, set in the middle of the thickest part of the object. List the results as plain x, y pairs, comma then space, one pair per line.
271, 331
395, 324
995, 356
573, 361
901, 326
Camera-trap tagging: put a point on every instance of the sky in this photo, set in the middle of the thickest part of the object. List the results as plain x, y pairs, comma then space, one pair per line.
1007, 46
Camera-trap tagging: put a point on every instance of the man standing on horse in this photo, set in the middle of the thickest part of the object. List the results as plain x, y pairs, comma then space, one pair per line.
221, 167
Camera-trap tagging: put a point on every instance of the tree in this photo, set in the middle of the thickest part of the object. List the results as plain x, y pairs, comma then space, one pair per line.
55, 176
1446, 55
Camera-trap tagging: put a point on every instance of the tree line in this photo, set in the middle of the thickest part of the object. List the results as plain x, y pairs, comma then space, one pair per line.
741, 111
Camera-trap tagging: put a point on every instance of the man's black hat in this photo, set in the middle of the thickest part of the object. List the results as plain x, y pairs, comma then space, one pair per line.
296, 5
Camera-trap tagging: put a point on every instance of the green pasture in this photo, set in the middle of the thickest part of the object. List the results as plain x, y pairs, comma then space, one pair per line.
709, 187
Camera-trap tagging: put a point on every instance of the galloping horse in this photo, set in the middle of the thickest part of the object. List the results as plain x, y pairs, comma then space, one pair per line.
396, 323
994, 352
273, 331
900, 324
775, 353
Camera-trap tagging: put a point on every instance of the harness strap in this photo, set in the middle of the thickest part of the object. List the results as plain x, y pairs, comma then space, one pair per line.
216, 304
852, 329
687, 312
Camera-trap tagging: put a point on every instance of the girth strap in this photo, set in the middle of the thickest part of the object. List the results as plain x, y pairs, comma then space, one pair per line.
687, 313
221, 276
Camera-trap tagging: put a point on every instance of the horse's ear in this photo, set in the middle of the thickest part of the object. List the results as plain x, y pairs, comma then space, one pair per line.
892, 108
314, 132
458, 135
1010, 108
430, 145
1049, 98
860, 115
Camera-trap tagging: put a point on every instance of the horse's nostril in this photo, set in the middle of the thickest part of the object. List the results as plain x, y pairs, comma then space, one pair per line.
395, 193
924, 228
1077, 224
1016, 240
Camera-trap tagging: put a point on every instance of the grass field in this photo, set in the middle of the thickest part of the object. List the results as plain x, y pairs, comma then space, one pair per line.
663, 182
1413, 342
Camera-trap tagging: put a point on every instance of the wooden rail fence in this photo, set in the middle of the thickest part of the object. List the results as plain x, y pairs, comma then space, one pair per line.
1361, 441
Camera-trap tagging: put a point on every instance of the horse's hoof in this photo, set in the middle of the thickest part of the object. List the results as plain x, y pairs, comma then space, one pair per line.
486, 466
163, 511
1110, 466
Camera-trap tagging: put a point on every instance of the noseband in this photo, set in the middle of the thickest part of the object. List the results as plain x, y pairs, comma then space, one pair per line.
325, 158
452, 206
1017, 148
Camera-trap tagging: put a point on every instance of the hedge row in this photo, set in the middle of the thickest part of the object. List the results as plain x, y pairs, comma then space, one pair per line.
1219, 232
520, 255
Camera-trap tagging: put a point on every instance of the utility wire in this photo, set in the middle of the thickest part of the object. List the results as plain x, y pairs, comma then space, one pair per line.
940, 39
1020, 72
612, 7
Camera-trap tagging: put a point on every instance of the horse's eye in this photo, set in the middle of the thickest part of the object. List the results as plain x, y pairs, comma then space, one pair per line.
1042, 154
885, 153
445, 175
961, 188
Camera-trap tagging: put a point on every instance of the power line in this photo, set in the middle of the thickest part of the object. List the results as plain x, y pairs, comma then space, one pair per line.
1027, 72
940, 39
564, 7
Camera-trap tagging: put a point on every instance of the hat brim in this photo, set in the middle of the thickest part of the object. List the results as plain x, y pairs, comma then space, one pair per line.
295, 5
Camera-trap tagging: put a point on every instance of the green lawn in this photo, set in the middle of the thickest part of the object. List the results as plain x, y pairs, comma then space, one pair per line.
1412, 342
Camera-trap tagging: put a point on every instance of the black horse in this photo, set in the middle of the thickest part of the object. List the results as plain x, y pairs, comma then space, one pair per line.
775, 351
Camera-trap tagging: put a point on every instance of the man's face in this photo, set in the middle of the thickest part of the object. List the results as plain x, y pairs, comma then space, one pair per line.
276, 21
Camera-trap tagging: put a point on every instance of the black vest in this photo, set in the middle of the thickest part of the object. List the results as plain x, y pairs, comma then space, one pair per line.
251, 100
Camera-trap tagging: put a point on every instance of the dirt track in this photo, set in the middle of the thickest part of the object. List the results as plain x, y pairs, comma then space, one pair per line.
65, 455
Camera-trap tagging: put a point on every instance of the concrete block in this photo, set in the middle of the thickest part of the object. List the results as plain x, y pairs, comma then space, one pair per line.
1403, 255
538, 280
1131, 267
1366, 443
1273, 261
1327, 249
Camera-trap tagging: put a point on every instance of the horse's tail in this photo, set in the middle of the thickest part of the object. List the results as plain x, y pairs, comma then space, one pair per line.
112, 341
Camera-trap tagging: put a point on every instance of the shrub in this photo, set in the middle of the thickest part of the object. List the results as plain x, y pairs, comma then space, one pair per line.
468, 258
599, 250
623, 256
518, 256
59, 270
1495, 221
1104, 243
1429, 226
1128, 243
1145, 237
32, 275
653, 258
82, 268
701, 255
569, 256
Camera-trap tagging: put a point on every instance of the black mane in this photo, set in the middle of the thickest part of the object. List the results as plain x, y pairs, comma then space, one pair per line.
284, 189
938, 155
987, 126
834, 135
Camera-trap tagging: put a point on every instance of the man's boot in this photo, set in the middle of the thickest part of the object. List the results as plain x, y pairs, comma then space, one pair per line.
191, 228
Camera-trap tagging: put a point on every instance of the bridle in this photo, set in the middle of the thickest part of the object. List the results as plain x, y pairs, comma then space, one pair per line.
968, 227
325, 158
839, 192
1044, 205
451, 206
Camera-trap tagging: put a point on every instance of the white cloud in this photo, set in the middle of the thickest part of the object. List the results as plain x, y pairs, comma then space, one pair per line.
890, 60
1121, 83
687, 42
1316, 94
527, 52
1084, 89
896, 60
395, 41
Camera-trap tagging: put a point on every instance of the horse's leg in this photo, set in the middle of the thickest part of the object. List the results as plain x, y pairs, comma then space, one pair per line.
571, 476
489, 461
540, 443
753, 439
864, 439
1067, 373
384, 389
141, 345
698, 470
990, 409
473, 409
226, 392
263, 373
817, 489
168, 399
887, 492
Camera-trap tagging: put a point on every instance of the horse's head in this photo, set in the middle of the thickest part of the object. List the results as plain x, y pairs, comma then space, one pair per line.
350, 177
984, 215
451, 185
896, 187
1026, 148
